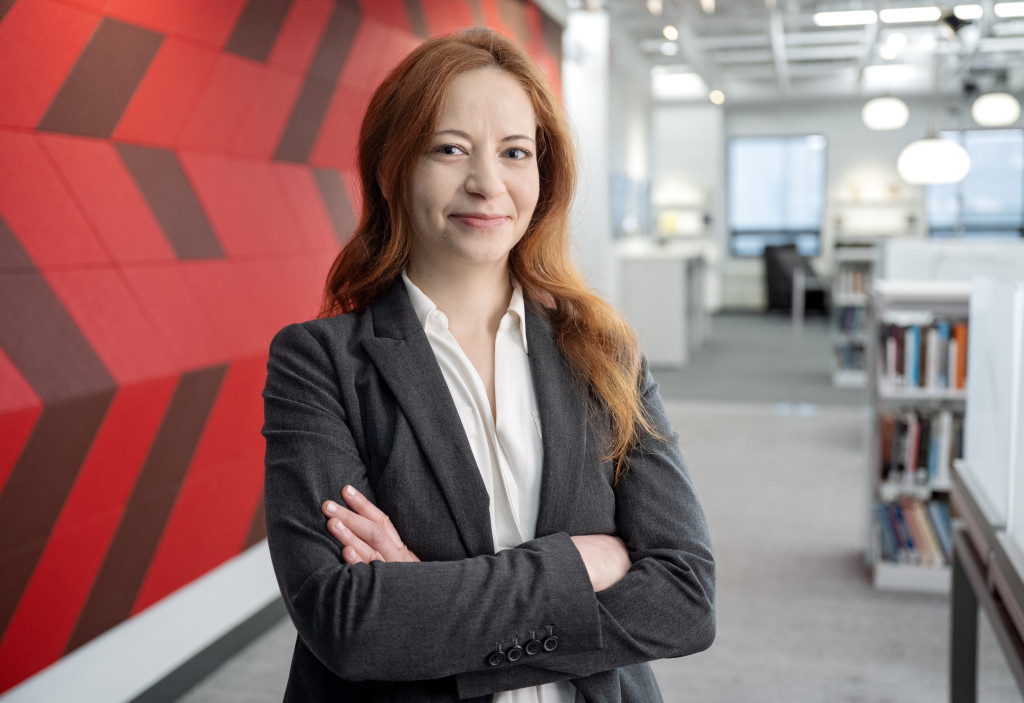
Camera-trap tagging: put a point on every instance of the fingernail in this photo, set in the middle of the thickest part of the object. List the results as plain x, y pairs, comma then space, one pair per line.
349, 491
331, 506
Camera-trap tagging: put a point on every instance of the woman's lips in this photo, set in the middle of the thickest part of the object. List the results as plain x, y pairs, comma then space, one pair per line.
480, 221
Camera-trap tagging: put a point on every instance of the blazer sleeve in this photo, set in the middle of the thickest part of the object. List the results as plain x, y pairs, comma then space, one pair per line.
393, 621
665, 605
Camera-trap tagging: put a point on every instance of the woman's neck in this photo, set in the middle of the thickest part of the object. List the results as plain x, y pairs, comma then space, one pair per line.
473, 300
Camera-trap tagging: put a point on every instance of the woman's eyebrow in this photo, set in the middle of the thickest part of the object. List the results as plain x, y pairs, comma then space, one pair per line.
465, 135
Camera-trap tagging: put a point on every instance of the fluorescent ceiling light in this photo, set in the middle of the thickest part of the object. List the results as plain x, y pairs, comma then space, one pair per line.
1009, 9
894, 44
910, 14
670, 32
675, 85
845, 18
968, 12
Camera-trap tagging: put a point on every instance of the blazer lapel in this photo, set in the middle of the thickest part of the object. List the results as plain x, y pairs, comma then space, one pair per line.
563, 418
402, 354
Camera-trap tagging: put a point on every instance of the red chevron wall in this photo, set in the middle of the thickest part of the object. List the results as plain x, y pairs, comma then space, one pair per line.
175, 178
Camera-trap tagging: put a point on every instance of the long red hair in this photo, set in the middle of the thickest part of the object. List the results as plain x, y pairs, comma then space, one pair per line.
400, 119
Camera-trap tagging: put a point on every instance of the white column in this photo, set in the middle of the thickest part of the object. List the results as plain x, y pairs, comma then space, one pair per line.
585, 90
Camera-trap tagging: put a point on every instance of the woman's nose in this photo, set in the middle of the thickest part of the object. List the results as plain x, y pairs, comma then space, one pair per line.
484, 178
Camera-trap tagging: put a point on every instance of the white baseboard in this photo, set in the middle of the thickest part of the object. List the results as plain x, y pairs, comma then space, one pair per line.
129, 659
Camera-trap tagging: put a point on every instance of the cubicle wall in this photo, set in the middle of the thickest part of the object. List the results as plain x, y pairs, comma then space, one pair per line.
175, 178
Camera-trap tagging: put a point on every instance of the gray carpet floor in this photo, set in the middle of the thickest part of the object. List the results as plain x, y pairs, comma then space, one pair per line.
787, 499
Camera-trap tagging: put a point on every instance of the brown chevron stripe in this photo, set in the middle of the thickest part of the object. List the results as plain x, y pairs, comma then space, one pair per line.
38, 486
103, 80
40, 337
5, 5
166, 189
12, 256
335, 197
258, 526
478, 13
257, 29
513, 14
149, 507
42, 340
552, 36
311, 106
416, 18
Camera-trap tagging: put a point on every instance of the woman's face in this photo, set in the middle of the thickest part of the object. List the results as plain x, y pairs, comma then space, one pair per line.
474, 190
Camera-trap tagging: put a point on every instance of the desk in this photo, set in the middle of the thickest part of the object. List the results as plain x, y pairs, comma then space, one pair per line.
662, 294
987, 573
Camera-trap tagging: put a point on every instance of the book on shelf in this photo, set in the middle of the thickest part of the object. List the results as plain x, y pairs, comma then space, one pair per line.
853, 279
914, 532
930, 357
850, 357
917, 447
851, 319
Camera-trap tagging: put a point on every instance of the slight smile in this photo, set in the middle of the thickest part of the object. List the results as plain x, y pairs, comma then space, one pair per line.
478, 220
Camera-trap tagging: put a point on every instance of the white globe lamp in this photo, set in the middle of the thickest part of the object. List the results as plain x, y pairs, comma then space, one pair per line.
883, 114
933, 161
995, 110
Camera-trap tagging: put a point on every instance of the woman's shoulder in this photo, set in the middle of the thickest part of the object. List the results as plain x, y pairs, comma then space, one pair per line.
335, 335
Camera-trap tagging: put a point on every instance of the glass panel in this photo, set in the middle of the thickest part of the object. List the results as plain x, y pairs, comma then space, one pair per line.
991, 198
776, 192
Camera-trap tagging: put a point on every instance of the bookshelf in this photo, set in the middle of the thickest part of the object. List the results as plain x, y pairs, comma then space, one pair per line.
851, 284
916, 370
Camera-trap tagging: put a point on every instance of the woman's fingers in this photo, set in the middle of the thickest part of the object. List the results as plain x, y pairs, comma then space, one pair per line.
372, 534
374, 527
354, 550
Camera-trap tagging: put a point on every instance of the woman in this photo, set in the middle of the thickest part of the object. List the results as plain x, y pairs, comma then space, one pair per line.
515, 523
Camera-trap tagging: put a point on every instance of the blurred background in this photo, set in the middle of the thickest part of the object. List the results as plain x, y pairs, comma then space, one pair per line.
809, 210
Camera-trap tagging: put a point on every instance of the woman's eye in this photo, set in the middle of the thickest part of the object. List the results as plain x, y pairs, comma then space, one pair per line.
450, 150
517, 153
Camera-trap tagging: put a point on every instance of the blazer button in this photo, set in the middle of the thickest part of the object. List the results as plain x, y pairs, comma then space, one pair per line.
514, 653
496, 658
550, 642
533, 647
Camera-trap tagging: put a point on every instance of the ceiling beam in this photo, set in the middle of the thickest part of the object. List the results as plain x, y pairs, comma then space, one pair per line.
778, 40
690, 50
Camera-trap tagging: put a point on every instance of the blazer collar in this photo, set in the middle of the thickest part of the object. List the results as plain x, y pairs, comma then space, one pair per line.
403, 356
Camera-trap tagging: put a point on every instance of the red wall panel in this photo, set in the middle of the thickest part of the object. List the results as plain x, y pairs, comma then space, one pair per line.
39, 43
148, 267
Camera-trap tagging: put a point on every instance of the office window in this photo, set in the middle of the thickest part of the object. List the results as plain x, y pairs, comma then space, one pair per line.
989, 202
776, 193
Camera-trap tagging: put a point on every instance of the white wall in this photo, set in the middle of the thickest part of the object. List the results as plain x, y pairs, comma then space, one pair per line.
861, 166
687, 157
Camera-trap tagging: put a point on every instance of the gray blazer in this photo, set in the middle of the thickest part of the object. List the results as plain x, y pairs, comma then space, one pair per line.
360, 399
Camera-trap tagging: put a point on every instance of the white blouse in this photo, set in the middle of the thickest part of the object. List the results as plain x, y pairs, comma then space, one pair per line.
508, 451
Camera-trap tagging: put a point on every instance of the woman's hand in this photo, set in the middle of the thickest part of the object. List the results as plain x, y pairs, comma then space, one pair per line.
605, 557
365, 532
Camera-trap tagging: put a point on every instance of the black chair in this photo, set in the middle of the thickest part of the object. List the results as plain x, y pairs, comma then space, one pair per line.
780, 264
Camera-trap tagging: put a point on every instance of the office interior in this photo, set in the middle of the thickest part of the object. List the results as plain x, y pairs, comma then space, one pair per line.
757, 197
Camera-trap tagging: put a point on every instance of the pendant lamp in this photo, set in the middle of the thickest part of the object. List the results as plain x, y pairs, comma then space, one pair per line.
933, 161
883, 114
995, 110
